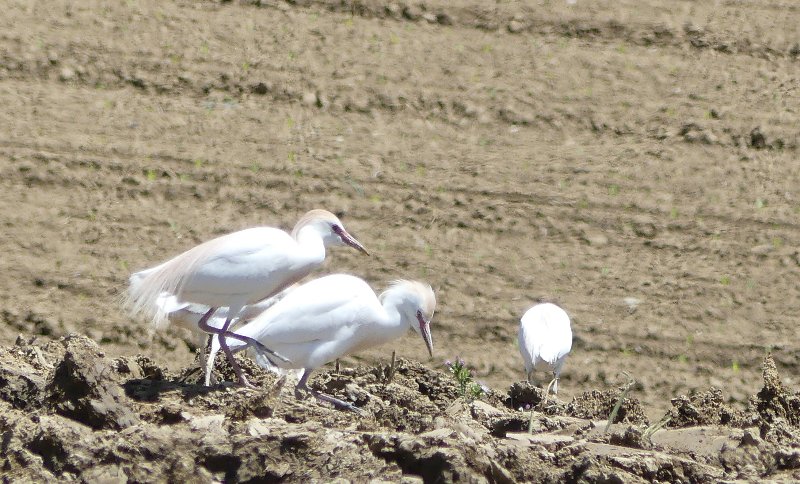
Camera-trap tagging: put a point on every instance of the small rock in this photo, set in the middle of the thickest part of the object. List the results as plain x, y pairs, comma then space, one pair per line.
439, 434
359, 104
260, 88
511, 115
757, 139
515, 26
310, 99
632, 303
66, 74
206, 423
762, 250
694, 133
750, 437
597, 239
393, 10
444, 19
644, 228
412, 12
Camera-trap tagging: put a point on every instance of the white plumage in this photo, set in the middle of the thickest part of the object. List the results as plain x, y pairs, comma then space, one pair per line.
236, 270
333, 316
545, 340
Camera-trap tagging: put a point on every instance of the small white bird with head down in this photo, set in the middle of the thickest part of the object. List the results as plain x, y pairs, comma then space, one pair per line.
545, 339
331, 317
236, 270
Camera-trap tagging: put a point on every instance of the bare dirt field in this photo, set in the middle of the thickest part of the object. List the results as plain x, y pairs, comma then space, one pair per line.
634, 161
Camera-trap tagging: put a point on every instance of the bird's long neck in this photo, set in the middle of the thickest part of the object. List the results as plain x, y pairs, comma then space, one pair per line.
311, 244
393, 325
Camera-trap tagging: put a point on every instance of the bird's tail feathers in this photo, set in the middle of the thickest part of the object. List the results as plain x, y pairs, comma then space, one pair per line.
151, 294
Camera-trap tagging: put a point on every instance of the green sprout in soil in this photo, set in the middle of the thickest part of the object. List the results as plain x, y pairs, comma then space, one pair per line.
467, 388
628, 387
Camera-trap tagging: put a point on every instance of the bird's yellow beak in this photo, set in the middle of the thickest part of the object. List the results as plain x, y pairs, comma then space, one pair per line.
425, 331
350, 240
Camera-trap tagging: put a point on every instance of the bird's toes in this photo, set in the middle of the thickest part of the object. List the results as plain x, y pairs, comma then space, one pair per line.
342, 405
354, 409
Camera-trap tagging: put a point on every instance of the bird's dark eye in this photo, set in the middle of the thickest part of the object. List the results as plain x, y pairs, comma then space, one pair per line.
336, 229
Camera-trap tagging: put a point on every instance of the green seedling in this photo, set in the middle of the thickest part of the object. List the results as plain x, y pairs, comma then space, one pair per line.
467, 388
628, 387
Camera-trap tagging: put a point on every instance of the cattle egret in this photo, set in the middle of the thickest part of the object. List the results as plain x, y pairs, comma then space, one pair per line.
238, 269
545, 338
331, 317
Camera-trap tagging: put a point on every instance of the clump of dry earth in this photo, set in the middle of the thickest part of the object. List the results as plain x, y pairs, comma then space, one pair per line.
68, 411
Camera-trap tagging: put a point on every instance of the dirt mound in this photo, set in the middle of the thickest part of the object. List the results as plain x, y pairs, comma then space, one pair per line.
68, 411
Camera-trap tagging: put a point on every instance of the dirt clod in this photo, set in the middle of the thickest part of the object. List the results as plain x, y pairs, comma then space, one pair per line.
100, 418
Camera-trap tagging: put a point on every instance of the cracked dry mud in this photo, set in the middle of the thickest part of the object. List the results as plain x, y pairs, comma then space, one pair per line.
633, 161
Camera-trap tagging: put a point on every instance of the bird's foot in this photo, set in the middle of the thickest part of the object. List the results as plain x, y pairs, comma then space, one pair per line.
258, 345
190, 375
243, 382
275, 390
301, 393
194, 376
278, 385
338, 404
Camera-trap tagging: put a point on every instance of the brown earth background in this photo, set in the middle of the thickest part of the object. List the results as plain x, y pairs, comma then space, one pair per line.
634, 161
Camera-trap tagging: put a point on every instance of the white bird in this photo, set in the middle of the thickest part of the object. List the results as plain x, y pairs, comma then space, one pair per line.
331, 317
238, 269
545, 339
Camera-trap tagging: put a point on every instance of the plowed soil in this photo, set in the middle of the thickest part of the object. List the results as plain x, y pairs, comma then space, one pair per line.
633, 161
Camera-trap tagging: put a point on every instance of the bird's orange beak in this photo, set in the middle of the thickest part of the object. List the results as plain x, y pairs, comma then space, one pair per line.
350, 240
425, 330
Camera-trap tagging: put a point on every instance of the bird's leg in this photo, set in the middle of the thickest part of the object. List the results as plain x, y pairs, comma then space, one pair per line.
340, 404
203, 324
547, 391
278, 386
543, 403
530, 422
258, 345
203, 343
223, 343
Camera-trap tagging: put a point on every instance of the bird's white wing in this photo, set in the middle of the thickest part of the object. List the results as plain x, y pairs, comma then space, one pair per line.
251, 311
315, 311
254, 263
526, 344
216, 272
556, 333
